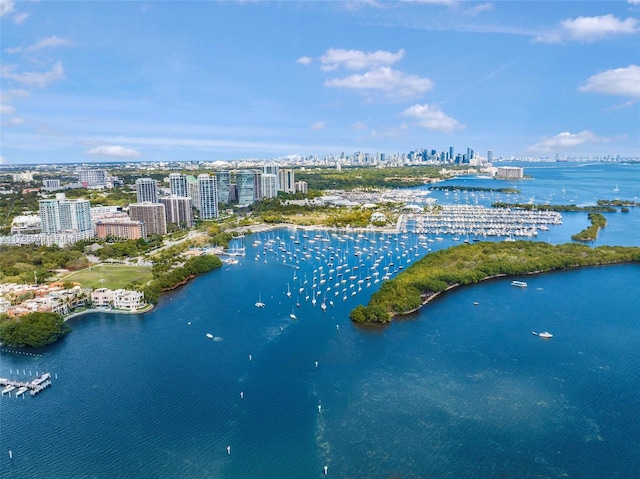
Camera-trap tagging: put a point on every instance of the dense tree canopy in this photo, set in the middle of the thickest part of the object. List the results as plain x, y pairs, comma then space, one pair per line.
26, 263
170, 279
33, 330
591, 233
350, 178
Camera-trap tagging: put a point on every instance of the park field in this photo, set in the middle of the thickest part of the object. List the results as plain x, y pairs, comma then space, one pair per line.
112, 276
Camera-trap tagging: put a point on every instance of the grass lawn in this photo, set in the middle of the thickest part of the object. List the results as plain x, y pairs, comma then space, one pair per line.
115, 276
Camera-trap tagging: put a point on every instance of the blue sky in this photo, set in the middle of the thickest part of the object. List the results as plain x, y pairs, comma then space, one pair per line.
167, 80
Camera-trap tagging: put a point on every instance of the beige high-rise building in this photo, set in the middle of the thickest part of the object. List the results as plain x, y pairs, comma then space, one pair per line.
118, 228
152, 215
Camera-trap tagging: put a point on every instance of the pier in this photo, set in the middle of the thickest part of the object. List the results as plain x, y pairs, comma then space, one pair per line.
34, 387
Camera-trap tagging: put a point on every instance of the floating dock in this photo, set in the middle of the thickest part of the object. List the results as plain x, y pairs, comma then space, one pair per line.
34, 387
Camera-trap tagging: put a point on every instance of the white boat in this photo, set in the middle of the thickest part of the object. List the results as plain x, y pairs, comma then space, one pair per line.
545, 335
259, 303
293, 316
519, 284
209, 335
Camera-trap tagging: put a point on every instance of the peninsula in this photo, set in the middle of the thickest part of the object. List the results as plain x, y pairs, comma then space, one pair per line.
471, 263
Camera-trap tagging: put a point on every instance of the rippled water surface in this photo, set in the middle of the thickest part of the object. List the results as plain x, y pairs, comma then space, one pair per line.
457, 390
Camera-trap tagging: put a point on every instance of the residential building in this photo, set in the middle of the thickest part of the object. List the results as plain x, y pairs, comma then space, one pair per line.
510, 172
301, 187
24, 176
192, 190
26, 224
178, 184
153, 216
92, 177
146, 190
178, 210
287, 181
257, 185
63, 215
224, 185
244, 183
269, 185
207, 196
119, 228
50, 183
273, 170
117, 299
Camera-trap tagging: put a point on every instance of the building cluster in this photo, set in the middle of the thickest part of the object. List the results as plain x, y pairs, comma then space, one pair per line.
65, 221
20, 299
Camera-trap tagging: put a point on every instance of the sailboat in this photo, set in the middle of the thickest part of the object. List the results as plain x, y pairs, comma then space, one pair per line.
259, 304
616, 189
323, 305
288, 291
292, 315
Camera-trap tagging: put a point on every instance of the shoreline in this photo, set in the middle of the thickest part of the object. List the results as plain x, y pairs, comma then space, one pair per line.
432, 296
146, 309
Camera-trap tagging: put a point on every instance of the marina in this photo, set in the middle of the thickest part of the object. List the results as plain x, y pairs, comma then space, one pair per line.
34, 387
480, 221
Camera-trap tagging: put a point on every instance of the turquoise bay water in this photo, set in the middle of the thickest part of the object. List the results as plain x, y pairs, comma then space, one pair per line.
457, 390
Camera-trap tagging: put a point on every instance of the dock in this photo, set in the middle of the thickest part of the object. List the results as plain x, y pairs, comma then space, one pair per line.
34, 387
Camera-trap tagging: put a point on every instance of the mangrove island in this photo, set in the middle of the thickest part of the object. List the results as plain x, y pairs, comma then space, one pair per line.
471, 263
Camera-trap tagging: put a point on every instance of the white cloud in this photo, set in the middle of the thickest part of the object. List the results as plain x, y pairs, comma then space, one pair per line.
7, 109
396, 85
115, 151
563, 141
318, 125
304, 60
359, 126
620, 81
19, 18
432, 118
18, 93
358, 60
16, 121
590, 29
52, 41
479, 8
33, 78
6, 7
434, 2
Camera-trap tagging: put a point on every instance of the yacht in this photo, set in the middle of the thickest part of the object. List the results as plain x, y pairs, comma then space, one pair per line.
259, 303
519, 284
209, 335
545, 335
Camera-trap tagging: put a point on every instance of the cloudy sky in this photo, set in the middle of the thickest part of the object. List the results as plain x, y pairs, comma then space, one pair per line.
207, 80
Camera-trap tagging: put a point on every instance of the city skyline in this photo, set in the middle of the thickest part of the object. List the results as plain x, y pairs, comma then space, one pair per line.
87, 82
